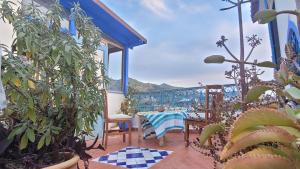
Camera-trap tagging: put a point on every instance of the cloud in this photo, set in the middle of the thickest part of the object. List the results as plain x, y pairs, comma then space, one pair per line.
158, 7
193, 8
180, 63
169, 9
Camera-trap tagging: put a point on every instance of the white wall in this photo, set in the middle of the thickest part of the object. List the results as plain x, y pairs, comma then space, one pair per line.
114, 102
282, 21
6, 30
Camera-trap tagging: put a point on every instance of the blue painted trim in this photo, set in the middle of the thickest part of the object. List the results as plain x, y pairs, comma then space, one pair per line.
72, 26
275, 57
292, 26
107, 21
125, 70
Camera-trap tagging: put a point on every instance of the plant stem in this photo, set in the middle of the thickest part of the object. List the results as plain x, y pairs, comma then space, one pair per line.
242, 51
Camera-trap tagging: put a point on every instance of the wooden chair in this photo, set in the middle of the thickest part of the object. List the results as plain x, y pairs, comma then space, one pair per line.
111, 119
213, 98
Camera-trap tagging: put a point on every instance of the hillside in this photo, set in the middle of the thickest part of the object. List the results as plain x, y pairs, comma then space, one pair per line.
140, 86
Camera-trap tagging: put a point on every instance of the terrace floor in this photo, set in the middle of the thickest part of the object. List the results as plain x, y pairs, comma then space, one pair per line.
181, 158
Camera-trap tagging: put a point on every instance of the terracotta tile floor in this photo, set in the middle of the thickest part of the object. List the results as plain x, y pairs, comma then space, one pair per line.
181, 158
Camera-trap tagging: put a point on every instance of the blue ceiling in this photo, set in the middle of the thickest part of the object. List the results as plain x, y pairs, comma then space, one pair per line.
110, 25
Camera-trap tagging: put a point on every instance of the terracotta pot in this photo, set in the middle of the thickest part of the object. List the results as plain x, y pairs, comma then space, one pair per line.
69, 164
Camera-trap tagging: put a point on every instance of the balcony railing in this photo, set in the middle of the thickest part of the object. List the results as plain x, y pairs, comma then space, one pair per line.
177, 98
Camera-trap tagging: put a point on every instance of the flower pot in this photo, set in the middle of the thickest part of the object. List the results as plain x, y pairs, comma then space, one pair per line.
123, 126
69, 164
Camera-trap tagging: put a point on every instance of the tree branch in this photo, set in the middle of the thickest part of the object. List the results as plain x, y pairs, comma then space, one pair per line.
289, 12
249, 54
243, 2
230, 53
224, 9
230, 1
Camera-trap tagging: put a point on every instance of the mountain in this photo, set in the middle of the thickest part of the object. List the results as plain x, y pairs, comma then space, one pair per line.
115, 85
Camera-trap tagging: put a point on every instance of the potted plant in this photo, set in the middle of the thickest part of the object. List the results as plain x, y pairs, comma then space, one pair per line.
128, 107
52, 87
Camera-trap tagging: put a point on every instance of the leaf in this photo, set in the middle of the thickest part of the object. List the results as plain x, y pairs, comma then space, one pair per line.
237, 106
214, 59
293, 93
260, 150
24, 142
31, 84
291, 131
48, 139
41, 142
262, 161
210, 130
16, 82
259, 117
44, 99
255, 92
32, 115
268, 134
30, 134
265, 16
282, 75
267, 64
16, 131
56, 60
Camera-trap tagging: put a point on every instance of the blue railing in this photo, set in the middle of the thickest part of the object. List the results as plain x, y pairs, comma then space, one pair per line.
177, 98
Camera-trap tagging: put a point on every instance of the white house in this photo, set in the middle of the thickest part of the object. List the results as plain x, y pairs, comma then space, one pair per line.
284, 29
117, 38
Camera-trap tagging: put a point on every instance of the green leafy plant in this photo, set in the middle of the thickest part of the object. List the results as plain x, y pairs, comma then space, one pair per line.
52, 86
128, 106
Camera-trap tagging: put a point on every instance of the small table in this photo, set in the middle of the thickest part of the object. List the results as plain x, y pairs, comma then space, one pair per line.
159, 123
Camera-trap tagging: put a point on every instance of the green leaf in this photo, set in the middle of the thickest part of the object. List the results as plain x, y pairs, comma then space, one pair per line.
255, 92
210, 130
48, 139
265, 16
267, 64
56, 59
41, 142
268, 134
32, 115
293, 93
30, 134
237, 106
293, 131
44, 99
16, 131
260, 161
261, 117
24, 142
214, 59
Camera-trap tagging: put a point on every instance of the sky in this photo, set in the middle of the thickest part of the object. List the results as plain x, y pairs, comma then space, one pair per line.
180, 34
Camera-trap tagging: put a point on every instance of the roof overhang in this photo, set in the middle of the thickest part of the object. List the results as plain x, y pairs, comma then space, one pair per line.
110, 24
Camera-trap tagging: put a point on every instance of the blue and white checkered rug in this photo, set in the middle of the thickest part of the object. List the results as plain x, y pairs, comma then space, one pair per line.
134, 157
